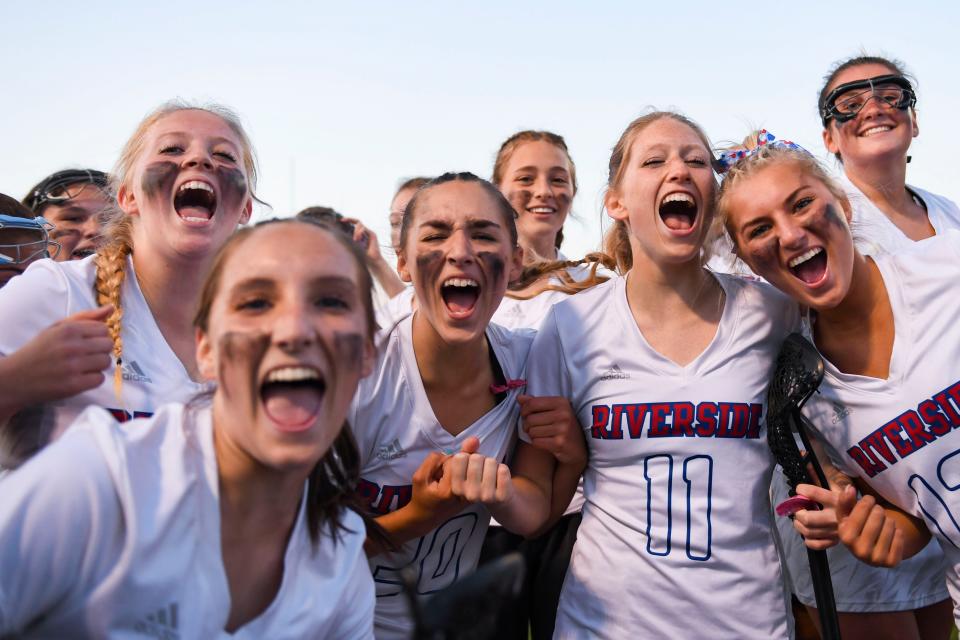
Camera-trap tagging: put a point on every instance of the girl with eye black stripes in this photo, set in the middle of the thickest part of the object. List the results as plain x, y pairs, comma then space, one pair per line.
866, 105
437, 419
883, 324
103, 330
227, 517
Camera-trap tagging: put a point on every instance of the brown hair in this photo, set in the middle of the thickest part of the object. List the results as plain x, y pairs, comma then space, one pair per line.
411, 183
616, 242
511, 144
332, 482
894, 65
761, 158
503, 207
531, 272
111, 258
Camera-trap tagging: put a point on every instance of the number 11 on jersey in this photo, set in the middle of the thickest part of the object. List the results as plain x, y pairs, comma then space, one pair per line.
690, 509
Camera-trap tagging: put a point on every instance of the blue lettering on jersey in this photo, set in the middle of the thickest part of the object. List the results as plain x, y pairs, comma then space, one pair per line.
676, 420
909, 432
381, 500
121, 415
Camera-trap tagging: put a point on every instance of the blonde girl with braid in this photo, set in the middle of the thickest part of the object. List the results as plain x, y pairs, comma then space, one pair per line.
115, 329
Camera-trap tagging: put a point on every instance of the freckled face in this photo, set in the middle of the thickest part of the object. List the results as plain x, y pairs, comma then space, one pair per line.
537, 182
287, 343
188, 187
76, 222
666, 193
459, 257
792, 231
878, 132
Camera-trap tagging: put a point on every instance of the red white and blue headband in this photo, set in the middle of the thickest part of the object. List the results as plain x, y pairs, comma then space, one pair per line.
727, 159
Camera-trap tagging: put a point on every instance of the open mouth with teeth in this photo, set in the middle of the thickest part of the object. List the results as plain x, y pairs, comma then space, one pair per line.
679, 212
292, 397
460, 296
542, 210
810, 266
875, 130
195, 201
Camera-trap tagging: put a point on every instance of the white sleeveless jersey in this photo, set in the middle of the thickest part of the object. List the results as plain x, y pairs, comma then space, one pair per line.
529, 314
876, 234
396, 429
676, 539
897, 434
94, 545
49, 291
858, 587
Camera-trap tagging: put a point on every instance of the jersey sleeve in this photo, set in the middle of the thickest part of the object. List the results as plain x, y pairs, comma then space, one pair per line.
547, 373
30, 303
59, 517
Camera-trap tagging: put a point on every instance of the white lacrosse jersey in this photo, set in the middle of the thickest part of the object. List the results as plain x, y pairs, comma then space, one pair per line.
858, 587
529, 314
897, 434
677, 535
395, 429
874, 231
395, 309
114, 531
49, 291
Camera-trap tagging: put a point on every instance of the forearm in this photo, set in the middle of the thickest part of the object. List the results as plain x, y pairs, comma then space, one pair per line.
527, 510
386, 276
11, 378
566, 478
405, 524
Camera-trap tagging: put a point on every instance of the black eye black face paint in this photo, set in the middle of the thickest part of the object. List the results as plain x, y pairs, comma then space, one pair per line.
831, 214
763, 254
349, 349
233, 187
494, 264
158, 179
429, 266
239, 351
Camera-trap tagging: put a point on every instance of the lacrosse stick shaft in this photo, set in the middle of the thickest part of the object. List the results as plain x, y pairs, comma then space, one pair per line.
823, 592
818, 470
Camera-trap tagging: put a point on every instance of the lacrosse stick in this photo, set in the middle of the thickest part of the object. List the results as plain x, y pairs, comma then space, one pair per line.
797, 376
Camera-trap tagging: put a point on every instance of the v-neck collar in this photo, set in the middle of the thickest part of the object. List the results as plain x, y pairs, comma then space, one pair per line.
726, 329
215, 576
423, 415
148, 324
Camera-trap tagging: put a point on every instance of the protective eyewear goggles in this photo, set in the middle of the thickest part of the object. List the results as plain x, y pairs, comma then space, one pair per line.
845, 101
26, 249
55, 189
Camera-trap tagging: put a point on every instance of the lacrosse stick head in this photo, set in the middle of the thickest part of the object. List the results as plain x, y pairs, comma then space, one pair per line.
797, 374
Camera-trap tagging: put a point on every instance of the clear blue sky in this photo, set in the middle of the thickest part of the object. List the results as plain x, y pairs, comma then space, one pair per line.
342, 100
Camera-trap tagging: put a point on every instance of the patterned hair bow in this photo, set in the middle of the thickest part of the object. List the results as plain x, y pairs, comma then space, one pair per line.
727, 159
